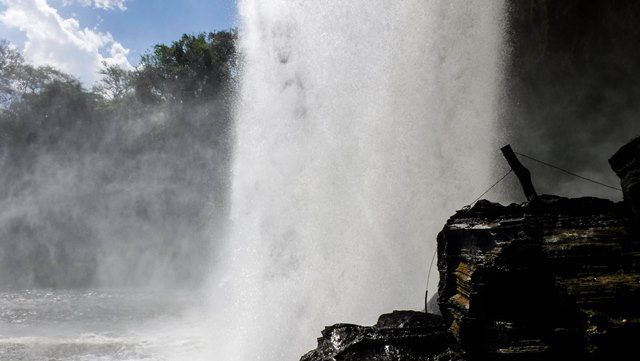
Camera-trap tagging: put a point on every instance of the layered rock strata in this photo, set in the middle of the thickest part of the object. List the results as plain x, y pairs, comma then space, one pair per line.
401, 335
626, 164
551, 279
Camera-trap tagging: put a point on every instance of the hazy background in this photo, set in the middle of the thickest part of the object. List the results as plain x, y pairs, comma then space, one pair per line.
121, 184
572, 90
349, 133
117, 178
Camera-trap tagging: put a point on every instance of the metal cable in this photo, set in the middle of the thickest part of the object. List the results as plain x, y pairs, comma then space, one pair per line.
426, 295
490, 188
568, 172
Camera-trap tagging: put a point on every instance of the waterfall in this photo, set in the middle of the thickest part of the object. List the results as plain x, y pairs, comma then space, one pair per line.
360, 127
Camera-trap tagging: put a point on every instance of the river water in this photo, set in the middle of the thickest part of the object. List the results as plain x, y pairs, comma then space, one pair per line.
103, 325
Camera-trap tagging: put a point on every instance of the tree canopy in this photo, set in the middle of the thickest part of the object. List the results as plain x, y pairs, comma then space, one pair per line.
146, 149
194, 67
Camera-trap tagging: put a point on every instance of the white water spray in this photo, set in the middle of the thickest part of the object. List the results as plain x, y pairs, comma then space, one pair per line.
361, 126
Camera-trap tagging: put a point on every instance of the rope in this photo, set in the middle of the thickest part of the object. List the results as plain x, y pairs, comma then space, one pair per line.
490, 188
568, 172
426, 295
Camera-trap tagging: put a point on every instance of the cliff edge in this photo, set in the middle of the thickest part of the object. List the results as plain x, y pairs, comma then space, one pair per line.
550, 279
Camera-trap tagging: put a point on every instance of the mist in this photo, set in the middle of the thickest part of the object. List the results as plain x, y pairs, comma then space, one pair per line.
572, 90
120, 191
359, 129
291, 174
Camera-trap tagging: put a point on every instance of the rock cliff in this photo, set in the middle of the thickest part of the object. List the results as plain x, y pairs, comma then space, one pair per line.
625, 164
400, 335
551, 279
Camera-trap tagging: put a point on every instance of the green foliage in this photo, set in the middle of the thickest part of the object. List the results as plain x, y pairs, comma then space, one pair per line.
19, 80
10, 62
43, 107
192, 68
115, 84
147, 149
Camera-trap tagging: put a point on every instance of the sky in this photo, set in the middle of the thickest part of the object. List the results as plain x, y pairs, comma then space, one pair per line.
77, 36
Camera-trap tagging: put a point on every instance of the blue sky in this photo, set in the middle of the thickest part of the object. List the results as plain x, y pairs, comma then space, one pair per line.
78, 35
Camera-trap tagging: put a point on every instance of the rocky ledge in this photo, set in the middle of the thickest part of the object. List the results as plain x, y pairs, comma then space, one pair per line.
406, 335
551, 279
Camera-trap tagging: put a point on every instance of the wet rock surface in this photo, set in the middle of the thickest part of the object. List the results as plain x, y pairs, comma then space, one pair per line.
626, 164
551, 279
400, 335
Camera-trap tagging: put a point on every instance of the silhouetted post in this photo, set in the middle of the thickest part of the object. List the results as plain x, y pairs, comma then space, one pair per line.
523, 174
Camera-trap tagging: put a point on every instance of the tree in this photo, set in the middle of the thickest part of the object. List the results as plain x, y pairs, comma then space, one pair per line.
10, 67
18, 79
161, 131
34, 79
192, 68
116, 82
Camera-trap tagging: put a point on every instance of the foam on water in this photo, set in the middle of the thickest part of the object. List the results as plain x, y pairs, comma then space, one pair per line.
360, 127
104, 325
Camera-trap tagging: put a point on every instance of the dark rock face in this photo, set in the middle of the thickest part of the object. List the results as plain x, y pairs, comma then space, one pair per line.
626, 164
401, 335
551, 279
571, 76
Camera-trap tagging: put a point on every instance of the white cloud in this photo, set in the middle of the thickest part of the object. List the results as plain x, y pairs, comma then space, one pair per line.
100, 4
62, 43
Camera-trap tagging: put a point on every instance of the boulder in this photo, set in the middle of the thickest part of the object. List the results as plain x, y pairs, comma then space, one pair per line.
554, 278
626, 163
400, 335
